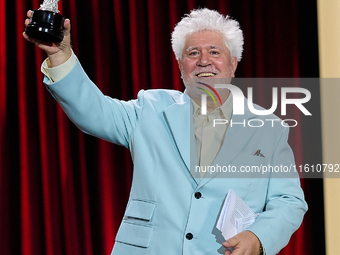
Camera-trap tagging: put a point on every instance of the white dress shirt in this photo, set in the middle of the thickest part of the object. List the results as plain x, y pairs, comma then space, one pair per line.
209, 135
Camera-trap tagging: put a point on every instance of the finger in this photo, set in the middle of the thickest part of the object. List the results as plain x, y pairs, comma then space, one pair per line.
27, 21
36, 42
67, 27
29, 39
227, 252
232, 242
229, 243
29, 13
26, 36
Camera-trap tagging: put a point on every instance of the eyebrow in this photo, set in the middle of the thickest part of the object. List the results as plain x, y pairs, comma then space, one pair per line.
211, 47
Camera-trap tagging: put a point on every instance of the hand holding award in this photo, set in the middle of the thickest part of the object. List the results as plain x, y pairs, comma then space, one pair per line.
46, 24
50, 32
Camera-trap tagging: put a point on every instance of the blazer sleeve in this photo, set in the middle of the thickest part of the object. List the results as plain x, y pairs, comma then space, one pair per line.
285, 204
92, 112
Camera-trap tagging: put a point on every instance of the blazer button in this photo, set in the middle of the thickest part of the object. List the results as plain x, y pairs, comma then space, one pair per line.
189, 236
198, 195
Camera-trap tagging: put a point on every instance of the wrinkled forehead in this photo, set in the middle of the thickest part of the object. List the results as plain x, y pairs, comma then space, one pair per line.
204, 39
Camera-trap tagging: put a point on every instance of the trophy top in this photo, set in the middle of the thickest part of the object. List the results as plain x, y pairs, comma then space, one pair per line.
50, 5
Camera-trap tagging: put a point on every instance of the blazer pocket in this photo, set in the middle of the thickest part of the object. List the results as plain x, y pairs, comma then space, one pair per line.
134, 234
136, 228
246, 159
248, 166
140, 209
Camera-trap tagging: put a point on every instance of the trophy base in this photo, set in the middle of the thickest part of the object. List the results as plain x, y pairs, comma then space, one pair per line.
46, 26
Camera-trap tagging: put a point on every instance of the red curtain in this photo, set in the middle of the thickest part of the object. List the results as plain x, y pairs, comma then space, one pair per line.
63, 192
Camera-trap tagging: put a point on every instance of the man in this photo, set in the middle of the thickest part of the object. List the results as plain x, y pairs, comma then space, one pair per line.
170, 212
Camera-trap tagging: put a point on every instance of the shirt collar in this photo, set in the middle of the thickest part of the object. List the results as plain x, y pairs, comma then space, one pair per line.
225, 110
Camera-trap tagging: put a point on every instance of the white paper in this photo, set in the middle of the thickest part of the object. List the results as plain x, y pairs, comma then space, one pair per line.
235, 216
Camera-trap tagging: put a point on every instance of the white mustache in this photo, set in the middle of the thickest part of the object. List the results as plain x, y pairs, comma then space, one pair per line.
205, 70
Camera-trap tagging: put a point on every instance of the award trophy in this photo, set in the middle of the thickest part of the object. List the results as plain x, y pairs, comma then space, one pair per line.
46, 24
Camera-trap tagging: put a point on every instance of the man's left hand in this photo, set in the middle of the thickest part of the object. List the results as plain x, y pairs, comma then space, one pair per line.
244, 243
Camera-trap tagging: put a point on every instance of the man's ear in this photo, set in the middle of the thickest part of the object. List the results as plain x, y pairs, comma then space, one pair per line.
180, 65
234, 65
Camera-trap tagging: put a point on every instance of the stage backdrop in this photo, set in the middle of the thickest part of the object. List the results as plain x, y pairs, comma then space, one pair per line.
63, 192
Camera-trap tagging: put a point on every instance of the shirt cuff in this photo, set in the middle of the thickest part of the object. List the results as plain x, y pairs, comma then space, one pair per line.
55, 74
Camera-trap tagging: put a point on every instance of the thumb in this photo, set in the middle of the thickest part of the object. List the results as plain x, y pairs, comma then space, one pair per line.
231, 242
67, 27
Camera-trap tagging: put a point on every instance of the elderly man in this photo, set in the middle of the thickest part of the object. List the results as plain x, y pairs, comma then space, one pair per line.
169, 210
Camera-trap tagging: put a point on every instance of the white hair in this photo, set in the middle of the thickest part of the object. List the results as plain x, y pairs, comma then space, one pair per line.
205, 19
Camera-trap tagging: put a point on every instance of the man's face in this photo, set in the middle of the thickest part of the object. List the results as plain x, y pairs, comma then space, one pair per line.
205, 56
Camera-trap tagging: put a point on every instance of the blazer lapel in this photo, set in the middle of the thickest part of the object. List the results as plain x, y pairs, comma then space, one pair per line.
179, 121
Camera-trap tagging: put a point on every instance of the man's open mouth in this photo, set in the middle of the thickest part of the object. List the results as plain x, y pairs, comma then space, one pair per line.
206, 74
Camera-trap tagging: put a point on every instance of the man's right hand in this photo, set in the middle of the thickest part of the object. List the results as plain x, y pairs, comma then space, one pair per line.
58, 53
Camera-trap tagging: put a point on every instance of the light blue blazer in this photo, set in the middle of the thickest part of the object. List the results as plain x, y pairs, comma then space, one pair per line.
169, 212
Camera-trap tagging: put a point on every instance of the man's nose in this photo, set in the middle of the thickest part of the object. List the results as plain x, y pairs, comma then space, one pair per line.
204, 59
